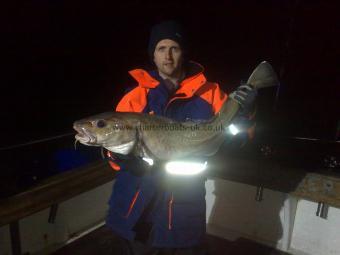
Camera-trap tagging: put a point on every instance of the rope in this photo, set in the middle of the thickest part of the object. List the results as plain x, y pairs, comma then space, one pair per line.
35, 142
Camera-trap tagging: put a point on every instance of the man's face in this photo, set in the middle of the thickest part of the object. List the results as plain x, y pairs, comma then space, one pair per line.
168, 58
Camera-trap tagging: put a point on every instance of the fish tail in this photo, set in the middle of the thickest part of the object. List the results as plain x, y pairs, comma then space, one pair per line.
262, 77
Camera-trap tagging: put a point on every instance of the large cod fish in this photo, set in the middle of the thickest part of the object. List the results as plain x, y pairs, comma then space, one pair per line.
161, 138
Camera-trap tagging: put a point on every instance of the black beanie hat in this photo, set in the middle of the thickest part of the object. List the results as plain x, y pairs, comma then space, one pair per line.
166, 30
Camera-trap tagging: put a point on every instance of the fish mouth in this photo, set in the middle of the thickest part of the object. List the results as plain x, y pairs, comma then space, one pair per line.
84, 136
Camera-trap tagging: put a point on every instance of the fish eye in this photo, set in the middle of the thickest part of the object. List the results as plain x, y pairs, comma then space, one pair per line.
101, 123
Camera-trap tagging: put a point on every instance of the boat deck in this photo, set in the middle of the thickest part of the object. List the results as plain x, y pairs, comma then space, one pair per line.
98, 242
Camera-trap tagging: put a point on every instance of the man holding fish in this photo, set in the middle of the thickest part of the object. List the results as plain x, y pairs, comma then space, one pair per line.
176, 95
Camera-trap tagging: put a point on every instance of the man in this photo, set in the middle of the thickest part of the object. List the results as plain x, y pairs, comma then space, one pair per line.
174, 206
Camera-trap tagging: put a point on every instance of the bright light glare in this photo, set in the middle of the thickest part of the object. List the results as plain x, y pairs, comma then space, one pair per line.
233, 129
148, 160
185, 167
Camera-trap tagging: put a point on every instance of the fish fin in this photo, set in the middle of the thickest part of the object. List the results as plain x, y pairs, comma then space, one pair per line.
102, 152
124, 148
75, 144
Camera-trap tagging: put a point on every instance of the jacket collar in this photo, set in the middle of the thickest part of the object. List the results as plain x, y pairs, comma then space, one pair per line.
144, 79
192, 82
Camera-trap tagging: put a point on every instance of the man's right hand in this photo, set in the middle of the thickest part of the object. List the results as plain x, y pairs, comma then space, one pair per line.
114, 160
133, 164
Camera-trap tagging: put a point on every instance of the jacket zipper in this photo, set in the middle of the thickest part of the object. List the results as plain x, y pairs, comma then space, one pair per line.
132, 204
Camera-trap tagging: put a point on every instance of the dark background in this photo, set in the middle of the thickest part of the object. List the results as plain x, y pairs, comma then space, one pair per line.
64, 60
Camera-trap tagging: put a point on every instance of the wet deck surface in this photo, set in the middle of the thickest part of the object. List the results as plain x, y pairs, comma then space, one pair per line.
99, 242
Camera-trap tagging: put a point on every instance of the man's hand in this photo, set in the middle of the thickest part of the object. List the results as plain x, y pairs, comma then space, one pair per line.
245, 95
134, 165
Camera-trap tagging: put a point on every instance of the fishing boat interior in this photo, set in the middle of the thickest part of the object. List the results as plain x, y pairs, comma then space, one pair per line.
279, 193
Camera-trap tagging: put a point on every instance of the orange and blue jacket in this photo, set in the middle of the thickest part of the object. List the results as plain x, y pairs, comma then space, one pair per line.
175, 209
195, 99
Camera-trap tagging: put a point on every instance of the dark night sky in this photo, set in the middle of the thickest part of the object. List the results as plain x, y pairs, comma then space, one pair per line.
64, 61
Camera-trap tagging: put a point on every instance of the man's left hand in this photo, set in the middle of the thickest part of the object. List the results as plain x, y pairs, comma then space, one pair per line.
245, 95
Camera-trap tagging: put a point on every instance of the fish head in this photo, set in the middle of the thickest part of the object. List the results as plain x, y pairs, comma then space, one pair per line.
106, 130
